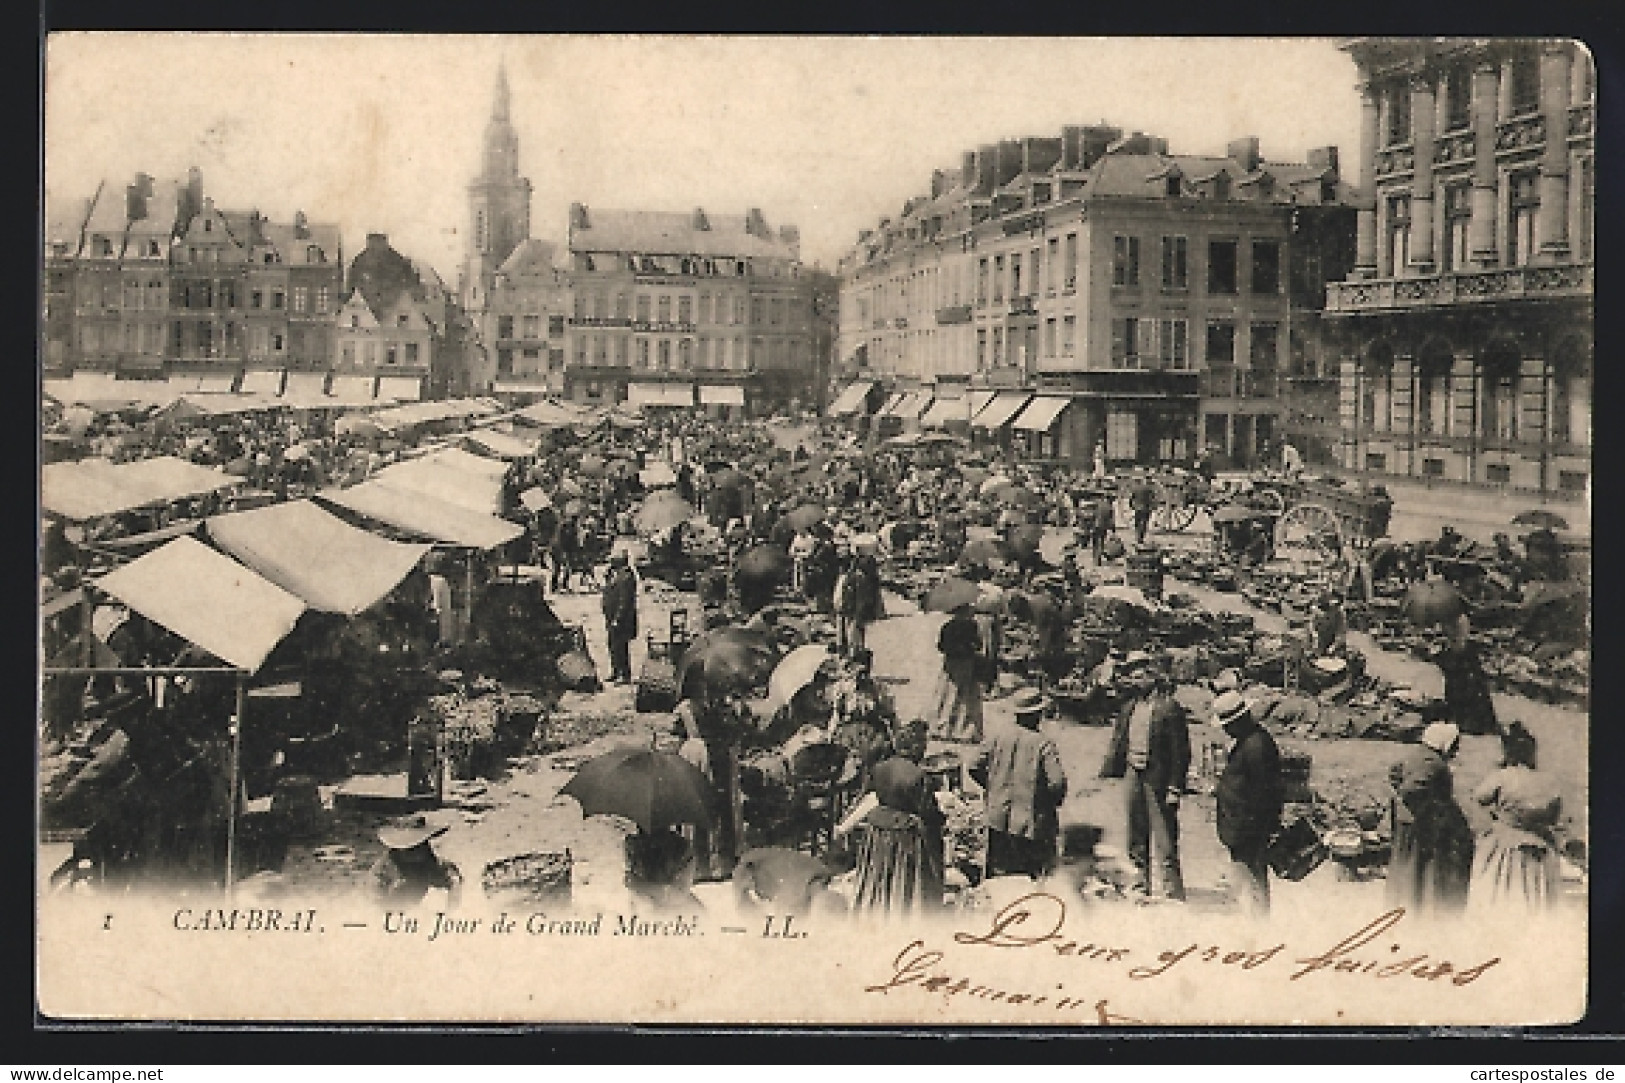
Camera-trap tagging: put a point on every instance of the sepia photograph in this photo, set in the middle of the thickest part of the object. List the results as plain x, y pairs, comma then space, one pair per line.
815, 531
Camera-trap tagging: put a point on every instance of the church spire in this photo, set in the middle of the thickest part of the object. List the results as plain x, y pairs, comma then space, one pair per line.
499, 111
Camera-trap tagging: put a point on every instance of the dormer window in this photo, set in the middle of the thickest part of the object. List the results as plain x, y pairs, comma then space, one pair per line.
1171, 186
313, 254
402, 320
208, 225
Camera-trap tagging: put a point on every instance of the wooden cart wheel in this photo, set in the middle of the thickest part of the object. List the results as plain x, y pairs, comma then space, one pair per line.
1309, 528
1270, 500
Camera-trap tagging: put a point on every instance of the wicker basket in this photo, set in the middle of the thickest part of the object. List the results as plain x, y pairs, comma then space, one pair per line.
532, 878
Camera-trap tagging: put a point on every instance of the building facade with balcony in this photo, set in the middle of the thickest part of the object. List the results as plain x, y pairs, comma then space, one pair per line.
682, 310
1139, 299
148, 280
1464, 332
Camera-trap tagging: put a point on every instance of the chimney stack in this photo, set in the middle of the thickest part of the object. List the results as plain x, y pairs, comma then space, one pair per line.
1323, 160
1039, 155
301, 227
1244, 152
986, 168
939, 182
967, 169
756, 224
1094, 140
377, 242
700, 223
1009, 160
578, 216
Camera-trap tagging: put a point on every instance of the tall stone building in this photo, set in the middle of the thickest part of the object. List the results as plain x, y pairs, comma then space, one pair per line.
1059, 293
1465, 329
683, 310
152, 280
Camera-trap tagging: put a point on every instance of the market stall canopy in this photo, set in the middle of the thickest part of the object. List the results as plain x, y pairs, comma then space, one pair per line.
450, 480
722, 395
502, 445
553, 415
402, 388
907, 405
1041, 414
851, 399
354, 388
91, 488
315, 555
262, 382
1003, 407
672, 395
423, 515
306, 389
207, 599
889, 407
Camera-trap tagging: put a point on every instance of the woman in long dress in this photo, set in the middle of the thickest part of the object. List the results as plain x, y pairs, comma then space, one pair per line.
900, 849
1516, 866
958, 715
1433, 844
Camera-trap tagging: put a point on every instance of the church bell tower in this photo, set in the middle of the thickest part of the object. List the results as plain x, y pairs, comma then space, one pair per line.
498, 200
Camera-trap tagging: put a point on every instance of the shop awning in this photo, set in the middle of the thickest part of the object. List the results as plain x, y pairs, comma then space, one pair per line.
306, 386
208, 600
674, 395
944, 412
262, 381
352, 388
315, 555
502, 445
401, 388
997, 413
521, 387
914, 405
91, 488
97, 387
1042, 413
423, 515
890, 408
722, 395
851, 399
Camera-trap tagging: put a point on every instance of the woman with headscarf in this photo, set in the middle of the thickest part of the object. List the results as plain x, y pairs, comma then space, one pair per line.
1516, 866
959, 689
1432, 843
900, 850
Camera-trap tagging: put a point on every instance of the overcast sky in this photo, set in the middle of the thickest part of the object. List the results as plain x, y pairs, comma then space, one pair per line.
382, 133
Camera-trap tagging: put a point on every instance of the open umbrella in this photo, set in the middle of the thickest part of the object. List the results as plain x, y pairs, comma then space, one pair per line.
950, 594
805, 517
764, 562
796, 672
533, 499
728, 657
991, 485
357, 425
1540, 517
655, 790
1432, 601
1024, 540
984, 551
662, 511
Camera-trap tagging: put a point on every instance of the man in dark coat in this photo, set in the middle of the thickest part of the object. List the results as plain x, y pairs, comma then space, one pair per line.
1021, 771
1467, 699
1142, 498
620, 604
1151, 747
1249, 798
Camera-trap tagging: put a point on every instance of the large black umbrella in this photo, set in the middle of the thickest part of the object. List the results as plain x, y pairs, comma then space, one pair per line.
655, 790
767, 563
1432, 601
950, 594
723, 658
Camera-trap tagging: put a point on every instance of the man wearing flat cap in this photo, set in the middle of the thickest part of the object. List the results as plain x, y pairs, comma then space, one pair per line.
1151, 748
1020, 769
1249, 798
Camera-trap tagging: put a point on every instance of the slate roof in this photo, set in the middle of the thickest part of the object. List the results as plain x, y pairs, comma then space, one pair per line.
532, 257
672, 233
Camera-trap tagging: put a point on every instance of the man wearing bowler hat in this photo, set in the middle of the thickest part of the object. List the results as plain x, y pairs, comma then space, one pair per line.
1151, 747
1249, 798
1020, 770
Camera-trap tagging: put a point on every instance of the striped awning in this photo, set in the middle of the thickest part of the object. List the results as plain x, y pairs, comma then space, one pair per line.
998, 413
1042, 413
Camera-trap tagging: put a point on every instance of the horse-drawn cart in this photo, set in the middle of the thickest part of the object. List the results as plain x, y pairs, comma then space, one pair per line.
1322, 514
